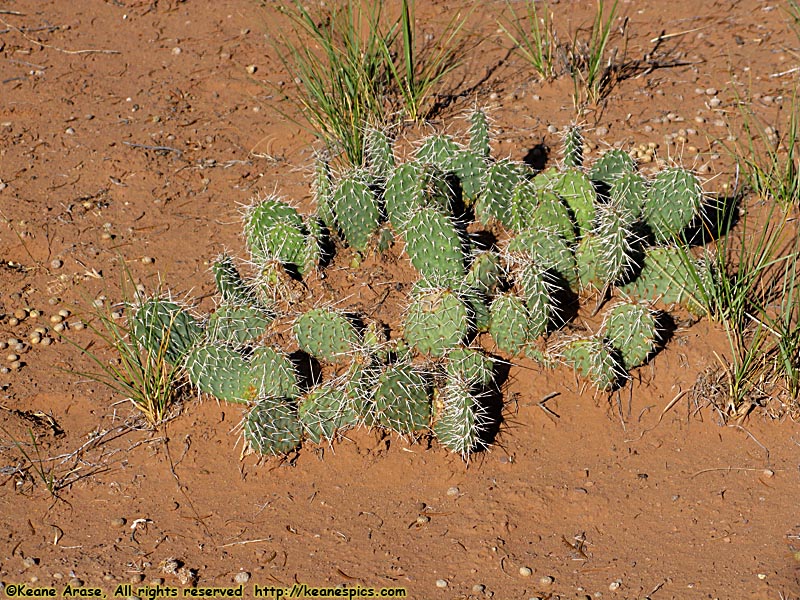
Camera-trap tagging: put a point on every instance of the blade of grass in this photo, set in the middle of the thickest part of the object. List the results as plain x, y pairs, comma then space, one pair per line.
538, 42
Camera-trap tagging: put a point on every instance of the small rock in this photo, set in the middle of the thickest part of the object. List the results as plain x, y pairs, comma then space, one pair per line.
118, 522
614, 585
29, 561
525, 571
546, 580
441, 583
241, 577
478, 588
56, 263
76, 582
452, 491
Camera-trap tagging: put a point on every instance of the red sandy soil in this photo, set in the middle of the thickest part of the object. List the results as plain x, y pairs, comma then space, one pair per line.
627, 496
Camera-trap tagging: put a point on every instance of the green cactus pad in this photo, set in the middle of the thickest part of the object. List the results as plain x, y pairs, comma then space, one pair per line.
479, 133
222, 372
524, 201
630, 193
275, 231
164, 328
324, 410
321, 189
379, 153
485, 272
326, 334
535, 287
434, 246
438, 150
356, 208
271, 426
404, 193
572, 149
509, 323
470, 168
576, 189
671, 276
675, 198
470, 365
594, 360
402, 399
611, 166
436, 320
494, 201
552, 214
631, 328
545, 248
230, 284
273, 373
458, 418
237, 324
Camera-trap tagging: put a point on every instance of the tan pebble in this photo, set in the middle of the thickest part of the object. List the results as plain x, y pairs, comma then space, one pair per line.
20, 347
768, 473
58, 575
106, 235
59, 327
3, 345
64, 313
137, 578
12, 357
148, 260
108, 577
525, 571
35, 338
46, 341
5, 370
34, 314
13, 321
20, 313
251, 69
53, 300
12, 341
691, 149
118, 522
75, 582
41, 330
441, 583
546, 580
33, 579
29, 561
15, 366
157, 581
714, 102
56, 263
56, 318
77, 325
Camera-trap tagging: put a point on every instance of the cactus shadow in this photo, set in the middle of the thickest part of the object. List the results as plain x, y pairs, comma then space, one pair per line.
665, 328
492, 401
307, 368
716, 219
537, 157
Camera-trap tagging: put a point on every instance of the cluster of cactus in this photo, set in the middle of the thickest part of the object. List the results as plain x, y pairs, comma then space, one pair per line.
561, 235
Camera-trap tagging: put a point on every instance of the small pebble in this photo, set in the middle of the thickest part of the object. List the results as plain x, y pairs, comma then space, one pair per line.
15, 366
601, 131
29, 561
252, 69
478, 588
76, 582
137, 578
77, 325
241, 577
33, 578
34, 314
3, 345
56, 318
69, 131
57, 263
441, 583
12, 341
176, 51
714, 102
711, 91
13, 321
546, 580
422, 519
5, 370
35, 338
614, 585
552, 129
59, 327
118, 522
525, 571
64, 313
46, 341
157, 581
20, 313
768, 473
699, 119
12, 357
148, 260
21, 347
452, 491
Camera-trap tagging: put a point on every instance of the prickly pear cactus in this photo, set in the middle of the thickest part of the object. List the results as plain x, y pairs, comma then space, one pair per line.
275, 231
577, 191
674, 198
271, 426
572, 152
611, 166
324, 410
356, 208
509, 323
237, 324
630, 193
379, 154
272, 373
494, 201
631, 328
478, 133
436, 320
222, 372
458, 417
434, 246
438, 150
230, 284
594, 360
402, 399
547, 249
326, 334
470, 365
165, 329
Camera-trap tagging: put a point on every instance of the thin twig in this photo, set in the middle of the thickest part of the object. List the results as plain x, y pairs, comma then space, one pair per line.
725, 469
40, 43
158, 148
